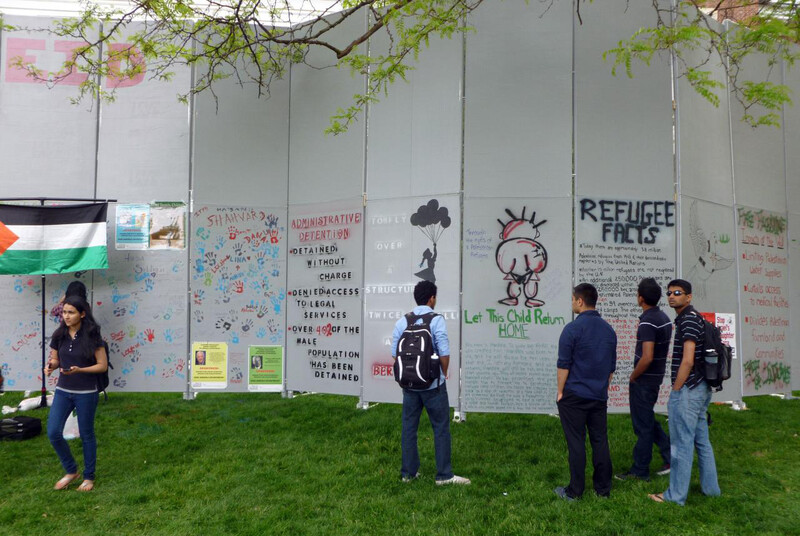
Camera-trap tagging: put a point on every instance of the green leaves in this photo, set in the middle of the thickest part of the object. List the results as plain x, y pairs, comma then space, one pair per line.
252, 42
697, 44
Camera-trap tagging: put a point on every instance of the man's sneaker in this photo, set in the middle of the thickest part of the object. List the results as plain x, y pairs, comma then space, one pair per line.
408, 479
664, 471
455, 479
561, 491
630, 476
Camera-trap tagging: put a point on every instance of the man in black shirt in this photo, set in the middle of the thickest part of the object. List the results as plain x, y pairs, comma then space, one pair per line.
650, 361
688, 402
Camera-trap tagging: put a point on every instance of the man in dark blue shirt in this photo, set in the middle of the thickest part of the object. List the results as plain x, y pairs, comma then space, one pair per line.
649, 363
587, 358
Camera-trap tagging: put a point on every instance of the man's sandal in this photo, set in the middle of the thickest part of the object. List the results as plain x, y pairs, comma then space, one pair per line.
657, 497
86, 485
65, 481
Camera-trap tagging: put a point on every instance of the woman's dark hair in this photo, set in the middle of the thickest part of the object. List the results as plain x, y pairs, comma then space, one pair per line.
90, 338
76, 288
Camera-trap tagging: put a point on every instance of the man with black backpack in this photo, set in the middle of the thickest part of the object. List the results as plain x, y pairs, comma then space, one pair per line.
688, 402
421, 352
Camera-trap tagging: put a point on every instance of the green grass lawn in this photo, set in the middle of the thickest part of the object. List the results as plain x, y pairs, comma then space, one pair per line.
259, 464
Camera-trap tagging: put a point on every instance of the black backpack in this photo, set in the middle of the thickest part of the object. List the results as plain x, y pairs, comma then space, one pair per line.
20, 427
417, 365
102, 377
715, 365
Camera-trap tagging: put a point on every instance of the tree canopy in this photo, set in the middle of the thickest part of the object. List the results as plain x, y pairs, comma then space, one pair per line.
256, 41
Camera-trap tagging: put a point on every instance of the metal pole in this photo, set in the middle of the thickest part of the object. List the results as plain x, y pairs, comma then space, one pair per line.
43, 403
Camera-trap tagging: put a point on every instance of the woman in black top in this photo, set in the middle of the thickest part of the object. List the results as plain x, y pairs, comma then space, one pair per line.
77, 350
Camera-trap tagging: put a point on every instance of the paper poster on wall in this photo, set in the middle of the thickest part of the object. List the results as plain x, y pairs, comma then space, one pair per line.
133, 226
726, 322
618, 243
168, 225
266, 369
517, 271
323, 348
408, 240
209, 365
764, 275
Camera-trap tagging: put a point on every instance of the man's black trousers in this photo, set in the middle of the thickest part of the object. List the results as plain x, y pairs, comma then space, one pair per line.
578, 415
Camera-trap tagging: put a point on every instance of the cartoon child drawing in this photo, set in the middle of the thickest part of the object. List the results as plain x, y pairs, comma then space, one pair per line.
521, 258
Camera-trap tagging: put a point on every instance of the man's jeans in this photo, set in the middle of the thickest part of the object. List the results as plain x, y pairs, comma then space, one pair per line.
437, 405
647, 429
688, 430
85, 405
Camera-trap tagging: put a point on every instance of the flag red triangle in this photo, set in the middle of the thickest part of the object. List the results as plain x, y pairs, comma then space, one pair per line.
6, 238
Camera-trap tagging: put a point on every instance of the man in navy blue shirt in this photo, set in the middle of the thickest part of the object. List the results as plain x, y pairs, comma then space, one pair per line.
649, 363
434, 399
587, 359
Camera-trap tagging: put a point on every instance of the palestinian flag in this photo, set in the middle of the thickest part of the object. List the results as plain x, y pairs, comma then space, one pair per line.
52, 240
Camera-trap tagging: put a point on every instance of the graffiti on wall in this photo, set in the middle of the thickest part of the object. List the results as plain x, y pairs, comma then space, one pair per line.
238, 292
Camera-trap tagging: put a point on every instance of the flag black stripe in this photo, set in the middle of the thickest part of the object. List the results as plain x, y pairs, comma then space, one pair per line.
49, 215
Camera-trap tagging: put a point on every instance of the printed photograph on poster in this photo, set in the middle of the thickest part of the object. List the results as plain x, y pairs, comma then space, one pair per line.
168, 225
132, 227
209, 365
266, 368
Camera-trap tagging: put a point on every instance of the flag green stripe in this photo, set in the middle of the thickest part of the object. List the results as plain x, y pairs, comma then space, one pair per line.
53, 261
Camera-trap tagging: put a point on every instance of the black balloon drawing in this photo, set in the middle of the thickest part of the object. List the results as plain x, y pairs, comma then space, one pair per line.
431, 220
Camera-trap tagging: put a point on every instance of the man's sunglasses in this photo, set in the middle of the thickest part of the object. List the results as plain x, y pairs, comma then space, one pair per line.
676, 292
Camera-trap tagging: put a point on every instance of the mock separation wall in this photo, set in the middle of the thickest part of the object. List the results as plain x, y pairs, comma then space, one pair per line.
314, 242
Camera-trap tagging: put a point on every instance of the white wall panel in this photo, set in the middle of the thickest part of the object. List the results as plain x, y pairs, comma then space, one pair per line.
47, 144
414, 143
517, 262
623, 136
704, 137
241, 145
708, 243
143, 154
325, 167
325, 278
399, 254
758, 162
238, 275
518, 113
